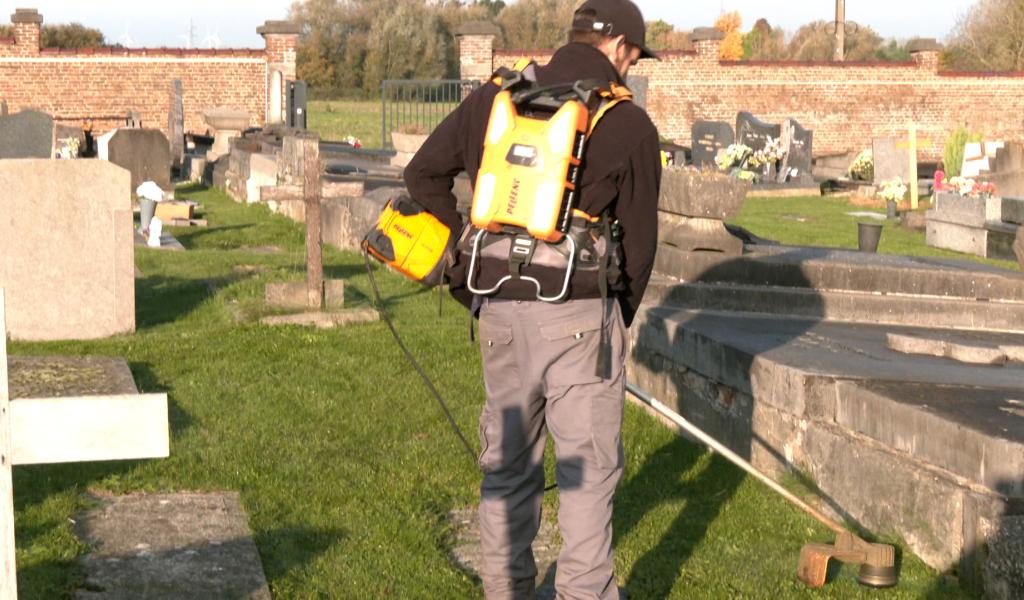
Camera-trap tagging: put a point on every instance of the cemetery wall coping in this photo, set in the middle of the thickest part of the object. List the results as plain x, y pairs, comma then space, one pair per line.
983, 74
477, 28
183, 52
548, 53
706, 34
26, 15
279, 28
923, 45
817, 63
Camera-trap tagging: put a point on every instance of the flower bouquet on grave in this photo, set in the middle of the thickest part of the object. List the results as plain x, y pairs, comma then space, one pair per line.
68, 147
353, 141
737, 160
967, 187
863, 167
893, 190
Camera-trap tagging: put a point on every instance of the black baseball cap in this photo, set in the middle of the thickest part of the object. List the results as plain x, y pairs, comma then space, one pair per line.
614, 18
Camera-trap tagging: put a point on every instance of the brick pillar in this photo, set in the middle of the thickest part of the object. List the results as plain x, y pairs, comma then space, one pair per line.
476, 49
27, 24
926, 53
707, 42
282, 39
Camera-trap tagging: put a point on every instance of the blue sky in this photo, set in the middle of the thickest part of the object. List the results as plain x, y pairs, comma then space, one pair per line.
234, 22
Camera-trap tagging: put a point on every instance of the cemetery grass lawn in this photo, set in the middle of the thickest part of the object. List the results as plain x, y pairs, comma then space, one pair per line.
338, 119
345, 466
816, 221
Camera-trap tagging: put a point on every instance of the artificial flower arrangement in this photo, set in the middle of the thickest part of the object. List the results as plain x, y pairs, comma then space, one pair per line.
353, 141
894, 190
736, 159
770, 154
735, 154
69, 147
965, 186
863, 167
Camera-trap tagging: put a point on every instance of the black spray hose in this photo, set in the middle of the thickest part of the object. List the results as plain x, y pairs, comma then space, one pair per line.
426, 380
379, 302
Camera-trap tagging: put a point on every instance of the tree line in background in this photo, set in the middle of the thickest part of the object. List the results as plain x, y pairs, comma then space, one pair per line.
350, 46
64, 35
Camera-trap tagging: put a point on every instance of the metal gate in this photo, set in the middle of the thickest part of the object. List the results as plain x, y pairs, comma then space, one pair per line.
419, 103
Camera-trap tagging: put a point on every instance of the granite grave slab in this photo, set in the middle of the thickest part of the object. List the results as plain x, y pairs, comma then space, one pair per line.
27, 134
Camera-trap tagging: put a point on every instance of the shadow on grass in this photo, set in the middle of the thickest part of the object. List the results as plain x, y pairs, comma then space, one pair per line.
660, 480
161, 300
704, 372
192, 238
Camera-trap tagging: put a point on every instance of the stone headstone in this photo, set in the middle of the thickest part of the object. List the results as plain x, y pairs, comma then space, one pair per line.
638, 85
262, 172
977, 157
144, 152
1008, 158
890, 160
753, 132
27, 134
708, 137
799, 153
1012, 210
66, 253
176, 125
63, 133
133, 120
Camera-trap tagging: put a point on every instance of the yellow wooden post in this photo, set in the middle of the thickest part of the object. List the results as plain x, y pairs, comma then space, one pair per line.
912, 151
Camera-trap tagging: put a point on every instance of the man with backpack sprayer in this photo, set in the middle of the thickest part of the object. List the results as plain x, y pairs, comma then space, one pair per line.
556, 365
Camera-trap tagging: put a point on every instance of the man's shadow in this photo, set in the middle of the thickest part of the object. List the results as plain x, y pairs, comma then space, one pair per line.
711, 383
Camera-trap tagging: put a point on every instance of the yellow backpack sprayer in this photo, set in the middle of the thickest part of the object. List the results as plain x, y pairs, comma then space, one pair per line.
524, 212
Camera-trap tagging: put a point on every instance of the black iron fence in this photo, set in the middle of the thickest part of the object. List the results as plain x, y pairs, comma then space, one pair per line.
419, 105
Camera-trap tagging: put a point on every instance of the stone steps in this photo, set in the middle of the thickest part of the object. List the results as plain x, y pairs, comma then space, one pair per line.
844, 306
922, 446
843, 270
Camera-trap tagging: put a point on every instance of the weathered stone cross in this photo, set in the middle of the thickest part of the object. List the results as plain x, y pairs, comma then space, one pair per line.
60, 430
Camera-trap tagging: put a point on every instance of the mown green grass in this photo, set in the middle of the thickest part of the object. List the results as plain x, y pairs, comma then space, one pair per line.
345, 466
825, 222
337, 119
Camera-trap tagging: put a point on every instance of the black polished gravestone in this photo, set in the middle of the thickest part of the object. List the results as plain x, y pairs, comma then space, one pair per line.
707, 138
144, 152
26, 134
797, 162
754, 133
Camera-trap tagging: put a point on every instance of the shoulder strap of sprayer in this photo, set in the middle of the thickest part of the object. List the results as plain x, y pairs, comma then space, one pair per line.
524, 73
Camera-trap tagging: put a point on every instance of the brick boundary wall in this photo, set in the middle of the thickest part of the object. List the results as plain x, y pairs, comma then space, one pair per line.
105, 83
846, 104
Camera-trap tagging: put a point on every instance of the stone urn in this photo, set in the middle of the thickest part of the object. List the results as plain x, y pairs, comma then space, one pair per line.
406, 146
226, 123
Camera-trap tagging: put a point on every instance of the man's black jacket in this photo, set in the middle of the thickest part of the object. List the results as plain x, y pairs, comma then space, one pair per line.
621, 174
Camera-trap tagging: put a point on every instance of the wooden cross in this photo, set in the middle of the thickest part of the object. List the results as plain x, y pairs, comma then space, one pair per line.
911, 144
60, 430
310, 143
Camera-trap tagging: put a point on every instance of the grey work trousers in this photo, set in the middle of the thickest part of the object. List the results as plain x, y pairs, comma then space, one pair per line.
540, 373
